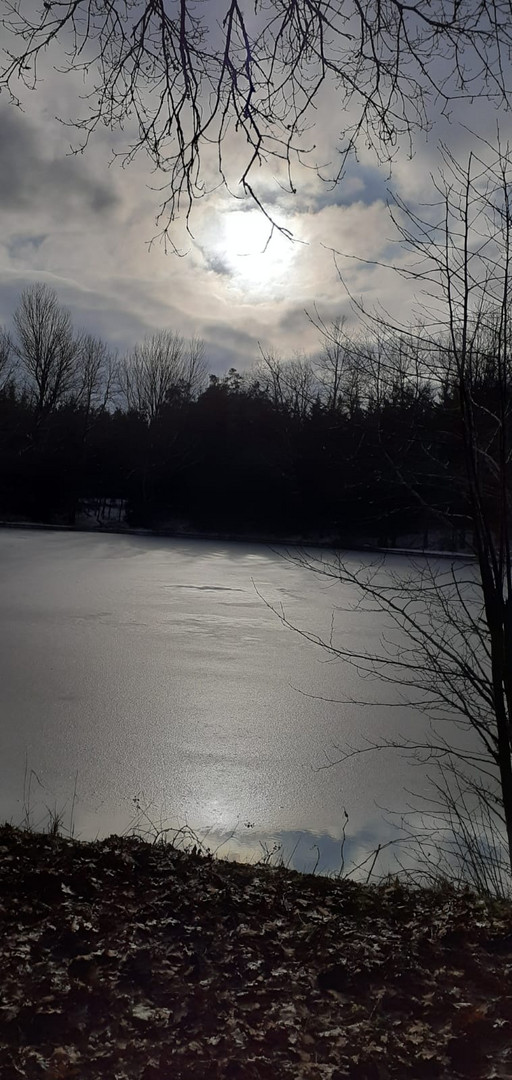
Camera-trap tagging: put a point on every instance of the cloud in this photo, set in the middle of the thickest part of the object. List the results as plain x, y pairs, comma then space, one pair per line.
217, 265
84, 228
31, 175
362, 184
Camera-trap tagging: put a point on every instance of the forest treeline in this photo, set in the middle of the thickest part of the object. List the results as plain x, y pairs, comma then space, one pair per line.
358, 442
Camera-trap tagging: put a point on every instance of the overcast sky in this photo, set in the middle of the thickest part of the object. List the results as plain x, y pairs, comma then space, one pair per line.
83, 225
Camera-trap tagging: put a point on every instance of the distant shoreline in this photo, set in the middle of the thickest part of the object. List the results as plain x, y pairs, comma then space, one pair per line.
283, 541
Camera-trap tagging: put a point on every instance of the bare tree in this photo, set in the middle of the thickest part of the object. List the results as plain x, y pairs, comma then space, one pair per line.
269, 373
163, 367
254, 77
195, 371
300, 386
340, 368
6, 360
332, 363
450, 642
96, 373
290, 384
46, 347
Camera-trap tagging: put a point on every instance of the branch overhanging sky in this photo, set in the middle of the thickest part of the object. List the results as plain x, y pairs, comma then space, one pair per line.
83, 224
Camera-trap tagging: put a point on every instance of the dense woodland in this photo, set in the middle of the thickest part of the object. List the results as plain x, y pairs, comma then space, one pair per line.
358, 442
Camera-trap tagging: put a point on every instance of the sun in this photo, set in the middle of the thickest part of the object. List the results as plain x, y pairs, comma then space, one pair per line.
257, 256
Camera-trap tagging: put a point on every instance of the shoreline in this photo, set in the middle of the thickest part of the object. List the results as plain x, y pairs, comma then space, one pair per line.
265, 540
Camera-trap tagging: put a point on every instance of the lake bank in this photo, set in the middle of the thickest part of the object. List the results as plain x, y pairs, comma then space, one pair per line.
349, 544
141, 961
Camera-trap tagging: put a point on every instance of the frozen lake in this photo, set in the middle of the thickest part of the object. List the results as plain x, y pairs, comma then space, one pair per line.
153, 670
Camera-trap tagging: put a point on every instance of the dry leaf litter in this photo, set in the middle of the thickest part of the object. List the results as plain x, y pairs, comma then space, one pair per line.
131, 961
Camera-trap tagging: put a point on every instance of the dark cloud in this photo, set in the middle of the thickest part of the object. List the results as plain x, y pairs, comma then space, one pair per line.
105, 316
220, 359
217, 264
227, 347
20, 246
11, 285
293, 318
119, 321
359, 183
328, 308
31, 178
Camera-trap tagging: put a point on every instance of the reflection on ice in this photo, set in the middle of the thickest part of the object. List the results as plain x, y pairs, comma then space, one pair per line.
170, 674
421, 847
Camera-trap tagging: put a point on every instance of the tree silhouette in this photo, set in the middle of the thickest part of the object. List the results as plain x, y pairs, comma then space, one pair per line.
46, 347
251, 78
